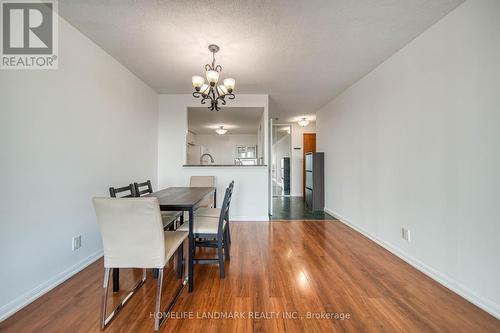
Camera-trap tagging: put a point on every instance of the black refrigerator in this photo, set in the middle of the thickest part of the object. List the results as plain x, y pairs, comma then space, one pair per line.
285, 174
315, 181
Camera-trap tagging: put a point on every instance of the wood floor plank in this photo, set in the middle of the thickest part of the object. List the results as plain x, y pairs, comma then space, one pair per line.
282, 277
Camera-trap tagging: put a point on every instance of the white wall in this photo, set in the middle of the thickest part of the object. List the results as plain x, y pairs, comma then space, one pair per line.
65, 136
416, 144
250, 200
298, 156
223, 147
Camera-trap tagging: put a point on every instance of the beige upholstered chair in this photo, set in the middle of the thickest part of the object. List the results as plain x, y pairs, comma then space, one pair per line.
169, 217
204, 181
133, 237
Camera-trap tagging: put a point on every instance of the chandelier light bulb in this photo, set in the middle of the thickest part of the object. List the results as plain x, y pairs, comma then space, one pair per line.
212, 77
204, 89
198, 81
222, 89
229, 84
221, 130
303, 122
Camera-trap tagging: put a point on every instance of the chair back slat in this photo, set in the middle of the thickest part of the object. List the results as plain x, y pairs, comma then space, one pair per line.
147, 190
129, 190
132, 232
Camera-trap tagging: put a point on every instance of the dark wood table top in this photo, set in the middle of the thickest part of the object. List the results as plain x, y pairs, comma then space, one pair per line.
181, 197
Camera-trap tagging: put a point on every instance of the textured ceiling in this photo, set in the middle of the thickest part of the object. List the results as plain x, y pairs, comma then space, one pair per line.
301, 53
238, 120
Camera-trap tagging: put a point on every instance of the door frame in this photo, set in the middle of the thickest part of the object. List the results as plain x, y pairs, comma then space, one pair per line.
289, 154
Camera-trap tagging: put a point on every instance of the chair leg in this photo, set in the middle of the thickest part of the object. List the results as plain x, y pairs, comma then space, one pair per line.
228, 233
220, 253
106, 319
180, 259
227, 245
158, 314
104, 297
116, 280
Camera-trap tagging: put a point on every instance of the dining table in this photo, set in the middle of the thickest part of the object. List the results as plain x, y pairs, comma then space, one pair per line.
185, 199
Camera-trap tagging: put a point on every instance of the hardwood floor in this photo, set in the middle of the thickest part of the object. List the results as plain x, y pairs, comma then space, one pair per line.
277, 269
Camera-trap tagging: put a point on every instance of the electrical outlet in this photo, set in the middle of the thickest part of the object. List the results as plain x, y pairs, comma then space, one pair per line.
406, 234
76, 243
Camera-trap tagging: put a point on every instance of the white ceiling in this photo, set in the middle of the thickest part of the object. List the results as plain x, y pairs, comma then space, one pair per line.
237, 120
301, 53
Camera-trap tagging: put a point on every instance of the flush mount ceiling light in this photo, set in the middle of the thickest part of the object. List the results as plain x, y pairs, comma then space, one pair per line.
303, 122
221, 130
213, 91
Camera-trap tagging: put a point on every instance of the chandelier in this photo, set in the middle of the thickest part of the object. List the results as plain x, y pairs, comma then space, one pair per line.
213, 91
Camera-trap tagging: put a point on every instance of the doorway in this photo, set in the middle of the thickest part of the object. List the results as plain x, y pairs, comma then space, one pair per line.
281, 160
291, 206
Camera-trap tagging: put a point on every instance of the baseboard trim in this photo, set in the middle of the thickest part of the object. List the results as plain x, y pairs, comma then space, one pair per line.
458, 288
20, 302
243, 218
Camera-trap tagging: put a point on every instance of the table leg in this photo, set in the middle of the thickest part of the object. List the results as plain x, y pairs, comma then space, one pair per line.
215, 198
116, 280
191, 250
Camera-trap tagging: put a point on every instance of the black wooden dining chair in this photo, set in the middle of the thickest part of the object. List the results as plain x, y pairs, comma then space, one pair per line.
169, 217
213, 232
147, 190
215, 212
129, 191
